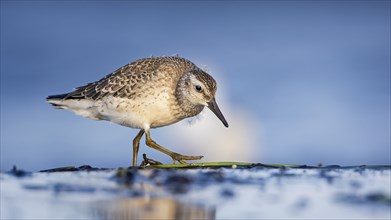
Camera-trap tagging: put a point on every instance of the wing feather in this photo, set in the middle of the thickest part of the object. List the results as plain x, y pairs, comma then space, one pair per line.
121, 82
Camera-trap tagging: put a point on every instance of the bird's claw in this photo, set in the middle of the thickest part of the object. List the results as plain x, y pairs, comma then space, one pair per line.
180, 158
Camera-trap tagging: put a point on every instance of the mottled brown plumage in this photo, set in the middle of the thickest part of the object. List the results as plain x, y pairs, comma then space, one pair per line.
144, 94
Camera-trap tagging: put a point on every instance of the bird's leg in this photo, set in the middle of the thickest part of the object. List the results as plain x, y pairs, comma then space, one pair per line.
136, 145
175, 156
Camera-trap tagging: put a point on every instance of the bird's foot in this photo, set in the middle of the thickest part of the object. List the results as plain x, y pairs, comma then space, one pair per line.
180, 158
148, 161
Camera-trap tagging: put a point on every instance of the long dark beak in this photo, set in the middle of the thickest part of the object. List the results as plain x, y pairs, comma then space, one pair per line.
212, 105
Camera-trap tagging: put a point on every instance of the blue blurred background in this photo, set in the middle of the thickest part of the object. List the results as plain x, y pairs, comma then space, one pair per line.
299, 82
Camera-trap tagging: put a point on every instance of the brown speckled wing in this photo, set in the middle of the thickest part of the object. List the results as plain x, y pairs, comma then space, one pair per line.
107, 85
123, 81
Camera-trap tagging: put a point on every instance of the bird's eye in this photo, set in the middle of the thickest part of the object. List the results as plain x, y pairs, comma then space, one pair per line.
198, 88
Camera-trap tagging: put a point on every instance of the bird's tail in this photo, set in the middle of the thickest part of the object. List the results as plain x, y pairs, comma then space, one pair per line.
80, 106
57, 100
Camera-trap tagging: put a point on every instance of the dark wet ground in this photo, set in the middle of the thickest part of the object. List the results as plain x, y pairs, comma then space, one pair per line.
244, 192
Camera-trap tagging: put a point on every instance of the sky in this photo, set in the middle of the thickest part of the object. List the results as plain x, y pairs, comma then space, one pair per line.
302, 82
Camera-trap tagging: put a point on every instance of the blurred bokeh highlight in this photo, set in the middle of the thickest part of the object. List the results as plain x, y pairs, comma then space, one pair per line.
302, 82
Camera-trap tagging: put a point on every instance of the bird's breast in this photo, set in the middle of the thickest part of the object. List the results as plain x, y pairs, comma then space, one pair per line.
146, 111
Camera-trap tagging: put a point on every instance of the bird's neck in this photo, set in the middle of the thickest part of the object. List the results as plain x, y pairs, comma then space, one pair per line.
187, 108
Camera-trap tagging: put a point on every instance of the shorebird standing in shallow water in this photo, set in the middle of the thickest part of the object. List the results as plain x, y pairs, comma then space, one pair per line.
147, 93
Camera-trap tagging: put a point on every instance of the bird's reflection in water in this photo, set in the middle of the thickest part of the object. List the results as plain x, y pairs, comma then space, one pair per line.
151, 208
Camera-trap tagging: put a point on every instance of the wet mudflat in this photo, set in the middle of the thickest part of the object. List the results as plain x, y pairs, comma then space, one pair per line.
209, 192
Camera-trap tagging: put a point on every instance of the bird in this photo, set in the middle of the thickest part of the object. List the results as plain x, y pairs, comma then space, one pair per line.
145, 94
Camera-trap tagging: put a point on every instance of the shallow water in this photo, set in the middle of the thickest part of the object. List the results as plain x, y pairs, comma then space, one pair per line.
224, 193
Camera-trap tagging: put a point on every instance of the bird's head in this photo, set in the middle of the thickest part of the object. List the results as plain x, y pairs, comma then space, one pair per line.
199, 89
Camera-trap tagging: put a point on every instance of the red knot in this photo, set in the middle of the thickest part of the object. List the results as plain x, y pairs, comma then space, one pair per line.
147, 93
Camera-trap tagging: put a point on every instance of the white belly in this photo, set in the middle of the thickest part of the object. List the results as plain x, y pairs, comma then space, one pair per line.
141, 112
138, 113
